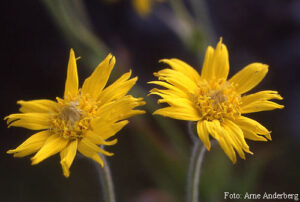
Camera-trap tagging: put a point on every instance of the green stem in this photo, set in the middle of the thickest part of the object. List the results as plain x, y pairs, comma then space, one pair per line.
194, 170
106, 181
202, 16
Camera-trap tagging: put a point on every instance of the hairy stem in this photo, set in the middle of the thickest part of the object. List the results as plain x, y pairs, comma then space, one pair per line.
194, 171
106, 181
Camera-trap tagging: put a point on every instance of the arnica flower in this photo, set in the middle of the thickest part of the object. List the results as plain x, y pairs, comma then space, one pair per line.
216, 103
83, 120
144, 7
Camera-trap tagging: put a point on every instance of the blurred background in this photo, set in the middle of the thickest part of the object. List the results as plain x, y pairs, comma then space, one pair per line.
151, 157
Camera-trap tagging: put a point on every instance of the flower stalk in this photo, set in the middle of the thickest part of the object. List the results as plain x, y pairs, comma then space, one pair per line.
106, 180
193, 178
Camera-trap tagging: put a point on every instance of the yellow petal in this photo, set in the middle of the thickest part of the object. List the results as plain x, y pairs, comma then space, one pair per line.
94, 147
71, 86
121, 109
218, 132
251, 125
90, 153
220, 65
207, 70
260, 106
105, 129
98, 79
175, 101
53, 145
118, 89
170, 88
178, 80
210, 126
167, 94
98, 138
203, 134
182, 67
31, 145
231, 139
259, 101
260, 96
227, 148
223, 141
187, 113
32, 121
249, 77
168, 97
237, 132
39, 106
67, 156
253, 136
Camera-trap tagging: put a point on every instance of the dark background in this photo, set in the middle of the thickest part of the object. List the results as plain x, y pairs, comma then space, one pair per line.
34, 54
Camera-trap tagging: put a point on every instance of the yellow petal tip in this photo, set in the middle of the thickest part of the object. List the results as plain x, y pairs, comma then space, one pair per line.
66, 171
221, 40
33, 163
72, 51
163, 60
10, 151
263, 67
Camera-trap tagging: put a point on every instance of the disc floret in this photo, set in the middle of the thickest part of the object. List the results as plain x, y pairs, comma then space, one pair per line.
217, 100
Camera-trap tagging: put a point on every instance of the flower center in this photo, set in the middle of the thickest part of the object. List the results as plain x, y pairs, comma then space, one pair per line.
74, 117
217, 100
70, 113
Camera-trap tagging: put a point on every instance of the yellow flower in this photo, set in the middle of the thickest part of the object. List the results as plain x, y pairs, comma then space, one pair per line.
144, 7
85, 118
215, 103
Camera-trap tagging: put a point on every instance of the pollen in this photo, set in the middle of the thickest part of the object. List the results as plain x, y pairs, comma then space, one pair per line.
74, 117
217, 100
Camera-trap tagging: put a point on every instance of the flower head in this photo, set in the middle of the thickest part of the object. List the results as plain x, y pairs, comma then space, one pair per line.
216, 103
83, 120
144, 7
